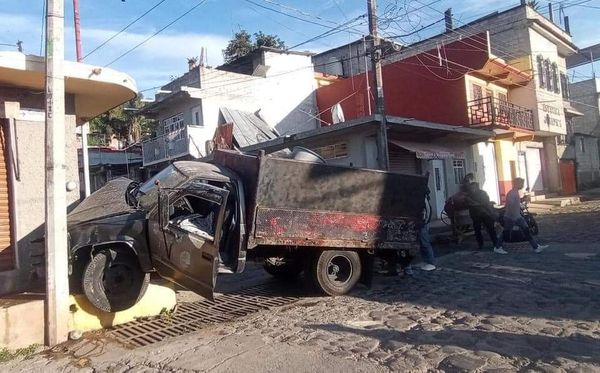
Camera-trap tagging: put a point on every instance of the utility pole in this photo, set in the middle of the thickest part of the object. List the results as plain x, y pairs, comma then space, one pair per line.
85, 127
382, 144
57, 279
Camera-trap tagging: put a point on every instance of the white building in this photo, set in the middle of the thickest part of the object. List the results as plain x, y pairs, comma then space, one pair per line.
266, 93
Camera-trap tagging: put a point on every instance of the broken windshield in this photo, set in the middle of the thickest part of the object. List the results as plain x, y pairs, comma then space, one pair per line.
170, 177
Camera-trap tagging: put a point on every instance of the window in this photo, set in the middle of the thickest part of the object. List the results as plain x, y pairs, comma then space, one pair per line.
548, 74
541, 73
459, 170
564, 86
502, 97
555, 84
582, 145
477, 92
333, 151
197, 116
174, 125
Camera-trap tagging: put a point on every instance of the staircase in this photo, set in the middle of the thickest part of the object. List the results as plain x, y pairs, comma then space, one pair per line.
544, 202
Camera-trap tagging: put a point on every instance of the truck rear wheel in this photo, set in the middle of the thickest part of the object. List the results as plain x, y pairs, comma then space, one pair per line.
283, 268
114, 281
336, 272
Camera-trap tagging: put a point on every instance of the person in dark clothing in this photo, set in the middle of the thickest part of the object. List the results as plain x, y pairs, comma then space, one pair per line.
482, 213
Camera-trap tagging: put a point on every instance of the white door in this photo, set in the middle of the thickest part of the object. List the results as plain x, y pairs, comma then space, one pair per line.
533, 160
489, 183
438, 187
523, 168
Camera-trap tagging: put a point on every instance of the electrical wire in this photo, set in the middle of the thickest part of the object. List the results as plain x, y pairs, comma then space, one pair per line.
123, 29
156, 33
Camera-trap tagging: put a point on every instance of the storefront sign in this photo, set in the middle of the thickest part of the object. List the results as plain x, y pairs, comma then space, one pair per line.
553, 117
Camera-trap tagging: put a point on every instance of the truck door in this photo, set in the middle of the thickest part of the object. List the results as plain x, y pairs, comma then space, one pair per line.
190, 222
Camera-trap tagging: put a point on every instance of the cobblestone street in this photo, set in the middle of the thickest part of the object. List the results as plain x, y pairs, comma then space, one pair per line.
478, 312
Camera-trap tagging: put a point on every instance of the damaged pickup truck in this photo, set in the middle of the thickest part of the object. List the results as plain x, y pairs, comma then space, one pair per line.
195, 220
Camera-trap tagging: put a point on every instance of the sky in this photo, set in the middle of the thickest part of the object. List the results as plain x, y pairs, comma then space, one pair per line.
212, 23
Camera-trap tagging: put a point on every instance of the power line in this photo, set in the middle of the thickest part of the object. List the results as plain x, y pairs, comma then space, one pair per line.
333, 31
156, 33
123, 29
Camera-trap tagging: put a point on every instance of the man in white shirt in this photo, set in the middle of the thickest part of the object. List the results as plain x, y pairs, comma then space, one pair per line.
512, 217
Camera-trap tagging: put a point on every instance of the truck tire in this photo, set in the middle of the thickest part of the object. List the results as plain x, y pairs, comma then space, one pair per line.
285, 269
335, 272
114, 281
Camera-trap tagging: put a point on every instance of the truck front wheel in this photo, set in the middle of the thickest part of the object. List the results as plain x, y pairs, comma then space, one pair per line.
336, 272
114, 281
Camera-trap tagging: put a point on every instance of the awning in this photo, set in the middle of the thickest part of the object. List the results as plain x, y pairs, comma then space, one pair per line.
429, 151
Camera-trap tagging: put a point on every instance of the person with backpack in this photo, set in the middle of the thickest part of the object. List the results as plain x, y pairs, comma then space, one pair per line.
482, 214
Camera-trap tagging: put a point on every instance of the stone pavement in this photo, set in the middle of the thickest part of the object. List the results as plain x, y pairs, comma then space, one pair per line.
478, 312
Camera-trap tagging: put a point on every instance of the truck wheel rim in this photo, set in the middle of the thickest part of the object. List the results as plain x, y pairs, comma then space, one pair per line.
339, 270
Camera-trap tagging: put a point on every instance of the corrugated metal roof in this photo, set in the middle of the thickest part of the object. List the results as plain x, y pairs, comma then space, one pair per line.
248, 128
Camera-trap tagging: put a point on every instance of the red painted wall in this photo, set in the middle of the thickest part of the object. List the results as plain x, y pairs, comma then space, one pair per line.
417, 87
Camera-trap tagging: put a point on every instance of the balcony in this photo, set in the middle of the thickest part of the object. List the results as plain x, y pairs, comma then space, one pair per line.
490, 111
165, 147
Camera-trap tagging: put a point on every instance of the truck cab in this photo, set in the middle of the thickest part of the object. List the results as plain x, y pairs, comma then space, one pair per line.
186, 223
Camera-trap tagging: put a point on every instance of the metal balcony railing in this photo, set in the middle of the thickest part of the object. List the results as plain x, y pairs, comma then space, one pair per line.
491, 111
165, 147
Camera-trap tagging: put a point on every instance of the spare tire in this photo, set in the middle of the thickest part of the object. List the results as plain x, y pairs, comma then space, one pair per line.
113, 280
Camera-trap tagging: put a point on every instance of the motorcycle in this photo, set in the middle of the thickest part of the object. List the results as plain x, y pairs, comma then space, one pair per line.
517, 235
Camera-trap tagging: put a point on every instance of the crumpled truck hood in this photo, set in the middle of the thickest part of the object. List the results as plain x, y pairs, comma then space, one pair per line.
106, 201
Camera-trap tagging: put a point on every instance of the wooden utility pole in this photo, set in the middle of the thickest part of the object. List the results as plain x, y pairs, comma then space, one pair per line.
382, 143
57, 278
85, 127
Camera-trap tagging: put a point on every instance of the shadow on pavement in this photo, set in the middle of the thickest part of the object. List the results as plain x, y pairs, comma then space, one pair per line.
577, 347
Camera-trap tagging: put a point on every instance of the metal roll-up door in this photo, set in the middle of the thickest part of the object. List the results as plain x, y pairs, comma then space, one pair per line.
6, 247
402, 161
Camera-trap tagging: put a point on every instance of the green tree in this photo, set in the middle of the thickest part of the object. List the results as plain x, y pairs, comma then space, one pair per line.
242, 44
123, 122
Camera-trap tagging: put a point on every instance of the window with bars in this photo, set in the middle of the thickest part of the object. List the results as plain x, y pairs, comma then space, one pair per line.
459, 170
174, 124
555, 81
334, 151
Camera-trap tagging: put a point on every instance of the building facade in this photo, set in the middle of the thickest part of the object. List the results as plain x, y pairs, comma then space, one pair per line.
273, 90
89, 92
528, 41
583, 134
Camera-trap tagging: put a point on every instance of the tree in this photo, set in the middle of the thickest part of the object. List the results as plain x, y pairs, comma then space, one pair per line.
242, 44
122, 122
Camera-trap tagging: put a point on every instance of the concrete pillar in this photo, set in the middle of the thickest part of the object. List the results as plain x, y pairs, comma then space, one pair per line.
551, 165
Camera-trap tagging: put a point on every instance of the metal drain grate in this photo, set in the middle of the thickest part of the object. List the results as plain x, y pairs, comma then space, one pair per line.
193, 316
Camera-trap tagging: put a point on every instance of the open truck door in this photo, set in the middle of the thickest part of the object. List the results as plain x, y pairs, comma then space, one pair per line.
185, 236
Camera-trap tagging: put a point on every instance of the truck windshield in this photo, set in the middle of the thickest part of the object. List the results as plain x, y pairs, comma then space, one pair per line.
170, 177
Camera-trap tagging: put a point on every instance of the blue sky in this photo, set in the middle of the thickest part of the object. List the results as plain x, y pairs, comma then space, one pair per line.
214, 22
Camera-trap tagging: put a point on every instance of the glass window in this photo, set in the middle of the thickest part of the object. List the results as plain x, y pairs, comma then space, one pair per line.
547, 70
541, 74
555, 83
459, 170
582, 144
477, 92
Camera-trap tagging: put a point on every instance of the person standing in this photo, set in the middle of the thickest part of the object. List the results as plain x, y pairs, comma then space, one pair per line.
482, 213
512, 217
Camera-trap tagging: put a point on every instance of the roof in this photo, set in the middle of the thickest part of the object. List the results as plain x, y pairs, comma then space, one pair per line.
96, 89
206, 170
248, 128
245, 64
397, 126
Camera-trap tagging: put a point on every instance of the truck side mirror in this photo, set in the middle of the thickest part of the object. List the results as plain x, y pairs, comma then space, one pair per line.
163, 209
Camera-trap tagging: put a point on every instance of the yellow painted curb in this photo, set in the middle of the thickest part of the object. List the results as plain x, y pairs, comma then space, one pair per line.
85, 317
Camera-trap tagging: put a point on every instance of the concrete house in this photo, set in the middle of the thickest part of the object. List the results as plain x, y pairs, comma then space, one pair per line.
527, 40
583, 135
90, 91
264, 94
